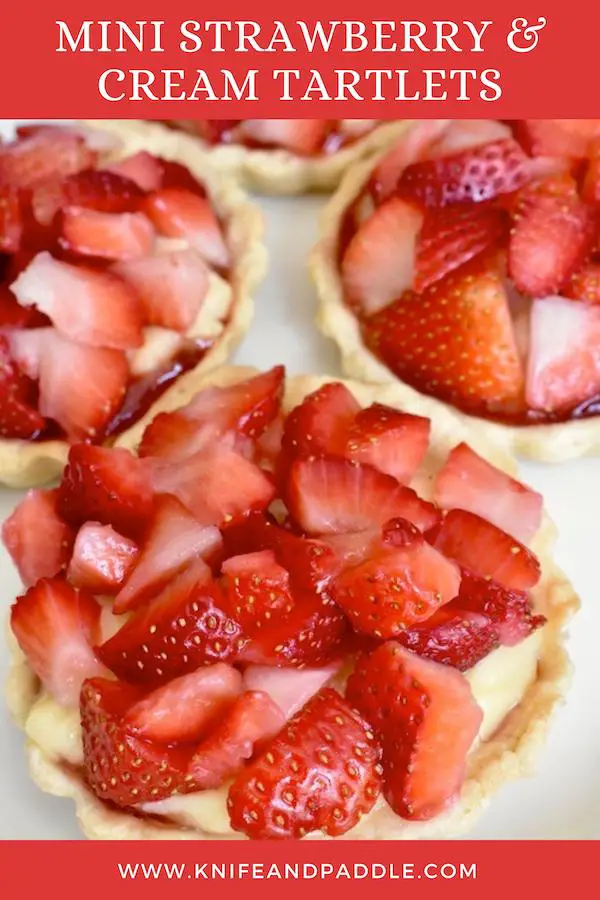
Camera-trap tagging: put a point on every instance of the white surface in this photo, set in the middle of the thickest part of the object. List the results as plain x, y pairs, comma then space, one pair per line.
562, 800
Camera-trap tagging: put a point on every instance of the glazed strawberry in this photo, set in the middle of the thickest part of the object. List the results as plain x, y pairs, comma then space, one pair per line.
101, 190
185, 708
584, 284
331, 495
467, 481
18, 416
426, 720
173, 539
289, 688
176, 175
11, 226
320, 774
38, 540
104, 485
48, 154
451, 237
115, 236
473, 176
182, 629
257, 588
86, 305
302, 136
102, 559
439, 341
252, 719
554, 231
510, 610
453, 637
142, 168
571, 138
56, 627
179, 213
391, 441
478, 545
318, 424
119, 766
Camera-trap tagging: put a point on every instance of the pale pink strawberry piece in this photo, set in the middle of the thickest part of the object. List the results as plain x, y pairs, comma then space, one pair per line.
379, 263
389, 440
26, 346
86, 305
571, 138
11, 226
170, 286
411, 146
102, 559
49, 153
564, 357
142, 168
465, 134
179, 213
467, 481
290, 688
38, 540
173, 540
118, 236
301, 136
185, 708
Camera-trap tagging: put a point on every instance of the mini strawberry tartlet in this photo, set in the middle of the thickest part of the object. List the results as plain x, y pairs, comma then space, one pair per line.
465, 261
125, 261
290, 156
299, 608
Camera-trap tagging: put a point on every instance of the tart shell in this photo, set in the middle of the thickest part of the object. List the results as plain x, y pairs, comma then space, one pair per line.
24, 464
510, 752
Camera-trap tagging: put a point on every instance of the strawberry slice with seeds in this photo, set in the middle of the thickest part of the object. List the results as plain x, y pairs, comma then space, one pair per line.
571, 138
301, 136
476, 544
142, 168
11, 226
391, 441
26, 162
102, 559
467, 481
426, 718
18, 417
179, 213
453, 637
119, 766
510, 610
321, 773
86, 305
185, 627
291, 689
185, 708
253, 719
37, 539
116, 236
109, 486
172, 541
102, 190
584, 284
413, 145
441, 341
257, 588
56, 626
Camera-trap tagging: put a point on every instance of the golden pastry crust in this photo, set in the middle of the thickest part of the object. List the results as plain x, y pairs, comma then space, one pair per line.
547, 443
508, 753
24, 464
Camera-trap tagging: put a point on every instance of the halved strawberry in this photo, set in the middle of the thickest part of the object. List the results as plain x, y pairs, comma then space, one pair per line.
102, 559
102, 190
330, 495
554, 230
142, 168
257, 588
56, 626
38, 540
320, 774
170, 286
467, 481
478, 545
379, 262
389, 440
253, 719
173, 539
564, 355
289, 688
181, 214
104, 485
318, 424
453, 637
456, 340
11, 226
472, 176
119, 766
426, 718
27, 161
584, 284
118, 236
572, 138
86, 305
182, 629
451, 237
18, 416
186, 707
510, 611
301, 136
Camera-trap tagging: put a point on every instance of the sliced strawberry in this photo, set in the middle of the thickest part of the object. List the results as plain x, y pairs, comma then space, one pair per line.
478, 545
106, 486
411, 146
267, 447
510, 610
472, 176
182, 629
117, 236
467, 481
391, 441
572, 138
426, 718
289, 688
173, 540
590, 190
453, 637
12, 315
86, 305
119, 766
47, 154
102, 559
179, 213
11, 225
38, 540
142, 168
301, 136
18, 417
441, 341
379, 263
564, 356
331, 495
320, 774
460, 135
186, 707
584, 284
56, 627
253, 719
257, 588
176, 175
102, 190
451, 237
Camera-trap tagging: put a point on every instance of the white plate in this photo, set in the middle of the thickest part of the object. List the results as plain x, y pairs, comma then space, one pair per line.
562, 800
